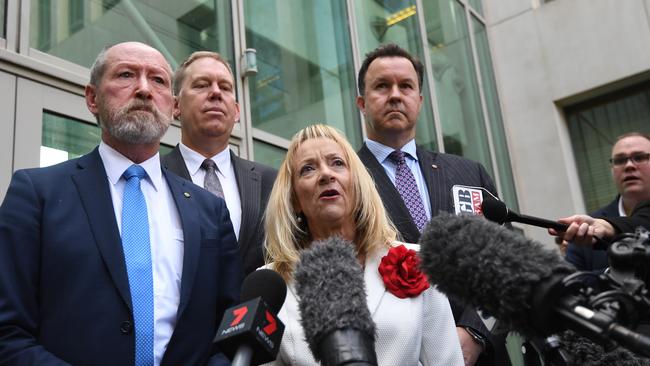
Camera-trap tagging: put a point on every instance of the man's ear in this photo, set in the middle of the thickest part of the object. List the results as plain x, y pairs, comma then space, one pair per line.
361, 103
176, 112
90, 94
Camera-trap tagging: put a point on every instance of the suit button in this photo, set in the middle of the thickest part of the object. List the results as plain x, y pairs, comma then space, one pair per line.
126, 327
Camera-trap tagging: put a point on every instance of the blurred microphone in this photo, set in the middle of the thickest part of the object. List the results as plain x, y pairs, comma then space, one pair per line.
250, 333
495, 210
332, 303
585, 352
514, 279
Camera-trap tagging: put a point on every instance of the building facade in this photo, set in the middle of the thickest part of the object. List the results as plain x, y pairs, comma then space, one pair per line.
572, 75
508, 83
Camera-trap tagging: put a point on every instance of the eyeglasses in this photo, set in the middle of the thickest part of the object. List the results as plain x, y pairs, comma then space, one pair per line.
636, 159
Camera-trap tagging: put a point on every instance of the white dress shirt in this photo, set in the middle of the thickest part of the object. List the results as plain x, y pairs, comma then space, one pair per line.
165, 233
381, 152
226, 175
621, 208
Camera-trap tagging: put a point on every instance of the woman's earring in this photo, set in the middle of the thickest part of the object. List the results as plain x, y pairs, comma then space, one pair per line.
299, 218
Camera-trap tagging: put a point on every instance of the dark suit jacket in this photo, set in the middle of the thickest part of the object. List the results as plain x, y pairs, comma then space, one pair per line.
254, 182
640, 217
584, 257
449, 170
64, 291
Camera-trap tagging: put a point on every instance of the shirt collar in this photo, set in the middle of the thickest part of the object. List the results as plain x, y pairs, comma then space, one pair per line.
193, 159
621, 208
115, 164
381, 151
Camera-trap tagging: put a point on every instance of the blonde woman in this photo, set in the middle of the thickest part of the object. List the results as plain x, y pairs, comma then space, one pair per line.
322, 190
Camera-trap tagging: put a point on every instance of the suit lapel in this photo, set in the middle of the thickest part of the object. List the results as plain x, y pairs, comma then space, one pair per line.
375, 288
175, 163
94, 192
249, 184
191, 236
390, 197
435, 178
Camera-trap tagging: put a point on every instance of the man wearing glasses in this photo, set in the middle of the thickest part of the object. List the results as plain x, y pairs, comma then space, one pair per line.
631, 172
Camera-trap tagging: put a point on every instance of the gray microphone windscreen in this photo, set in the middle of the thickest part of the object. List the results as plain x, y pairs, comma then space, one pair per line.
492, 268
330, 286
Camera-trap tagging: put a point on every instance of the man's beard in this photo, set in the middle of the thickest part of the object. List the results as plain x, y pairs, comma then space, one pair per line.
138, 122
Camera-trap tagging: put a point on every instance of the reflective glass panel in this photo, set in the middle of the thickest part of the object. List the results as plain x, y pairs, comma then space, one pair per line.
65, 138
77, 30
268, 154
396, 21
476, 5
457, 90
3, 22
305, 71
508, 193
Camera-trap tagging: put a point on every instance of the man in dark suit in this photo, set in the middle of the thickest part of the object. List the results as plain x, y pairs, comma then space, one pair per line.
630, 164
110, 259
207, 107
416, 184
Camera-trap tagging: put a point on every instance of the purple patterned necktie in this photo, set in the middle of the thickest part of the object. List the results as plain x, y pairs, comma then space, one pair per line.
408, 189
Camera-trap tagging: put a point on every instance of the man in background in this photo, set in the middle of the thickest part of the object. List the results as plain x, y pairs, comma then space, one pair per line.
108, 258
207, 107
630, 166
416, 184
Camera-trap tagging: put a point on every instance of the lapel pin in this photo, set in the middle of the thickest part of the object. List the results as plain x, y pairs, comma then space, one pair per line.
186, 194
434, 166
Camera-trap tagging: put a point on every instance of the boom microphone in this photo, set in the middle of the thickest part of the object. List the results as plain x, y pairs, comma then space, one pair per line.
332, 303
250, 333
584, 352
495, 210
513, 279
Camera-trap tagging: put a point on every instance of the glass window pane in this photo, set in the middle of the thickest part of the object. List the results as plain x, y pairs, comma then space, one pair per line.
165, 149
476, 5
305, 71
3, 7
65, 138
395, 21
507, 193
594, 125
455, 81
268, 154
77, 30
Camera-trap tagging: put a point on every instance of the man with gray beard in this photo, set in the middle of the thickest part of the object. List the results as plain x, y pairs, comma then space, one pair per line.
108, 258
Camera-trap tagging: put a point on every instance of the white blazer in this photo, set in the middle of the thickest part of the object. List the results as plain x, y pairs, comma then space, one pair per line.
410, 331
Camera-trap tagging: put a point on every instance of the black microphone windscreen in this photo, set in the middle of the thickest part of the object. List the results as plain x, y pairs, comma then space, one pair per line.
268, 285
494, 210
492, 268
585, 352
330, 285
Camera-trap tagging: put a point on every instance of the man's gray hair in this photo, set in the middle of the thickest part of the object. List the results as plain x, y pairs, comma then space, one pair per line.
99, 66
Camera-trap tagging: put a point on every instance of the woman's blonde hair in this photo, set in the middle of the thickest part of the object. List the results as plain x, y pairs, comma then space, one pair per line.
285, 236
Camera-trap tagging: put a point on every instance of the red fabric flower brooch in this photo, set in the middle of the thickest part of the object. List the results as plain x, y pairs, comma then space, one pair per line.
401, 273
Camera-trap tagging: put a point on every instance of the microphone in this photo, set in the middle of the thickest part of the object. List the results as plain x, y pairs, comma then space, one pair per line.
250, 333
516, 280
584, 352
332, 303
495, 210
468, 199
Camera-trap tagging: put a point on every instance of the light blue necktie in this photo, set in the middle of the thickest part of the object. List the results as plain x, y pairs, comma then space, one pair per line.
137, 253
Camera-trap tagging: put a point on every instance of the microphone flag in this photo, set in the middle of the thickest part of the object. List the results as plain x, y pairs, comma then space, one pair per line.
467, 200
